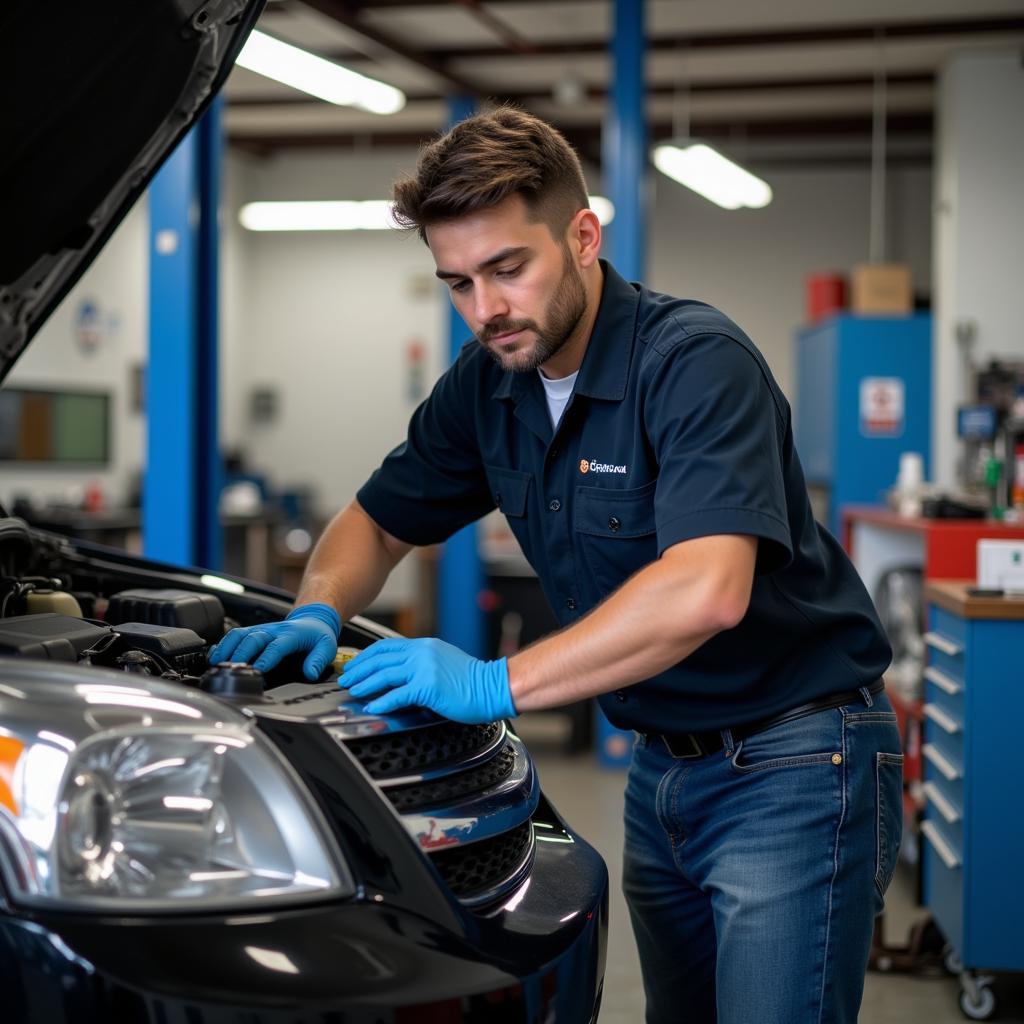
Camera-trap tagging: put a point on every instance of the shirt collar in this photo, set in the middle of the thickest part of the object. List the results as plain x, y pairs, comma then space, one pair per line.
605, 367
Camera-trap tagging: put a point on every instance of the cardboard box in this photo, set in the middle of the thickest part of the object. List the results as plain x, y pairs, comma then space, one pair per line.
882, 288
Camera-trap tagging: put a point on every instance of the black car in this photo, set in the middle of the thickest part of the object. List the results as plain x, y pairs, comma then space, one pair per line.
181, 843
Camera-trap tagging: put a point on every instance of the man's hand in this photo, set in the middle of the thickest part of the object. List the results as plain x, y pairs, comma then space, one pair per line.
311, 627
430, 674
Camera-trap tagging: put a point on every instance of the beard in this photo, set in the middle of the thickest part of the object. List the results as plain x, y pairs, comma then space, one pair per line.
562, 317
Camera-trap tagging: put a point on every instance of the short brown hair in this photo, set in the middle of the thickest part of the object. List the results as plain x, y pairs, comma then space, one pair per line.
483, 160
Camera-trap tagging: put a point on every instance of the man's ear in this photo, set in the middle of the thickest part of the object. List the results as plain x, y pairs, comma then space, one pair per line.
584, 236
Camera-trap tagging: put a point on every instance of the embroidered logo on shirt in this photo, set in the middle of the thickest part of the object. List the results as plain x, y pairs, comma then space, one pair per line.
592, 466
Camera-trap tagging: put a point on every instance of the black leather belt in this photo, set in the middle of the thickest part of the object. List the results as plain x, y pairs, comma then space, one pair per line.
690, 745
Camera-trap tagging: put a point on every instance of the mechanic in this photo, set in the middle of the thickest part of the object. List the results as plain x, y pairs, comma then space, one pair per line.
643, 455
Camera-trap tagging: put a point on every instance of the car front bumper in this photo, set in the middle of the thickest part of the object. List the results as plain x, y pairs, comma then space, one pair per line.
540, 958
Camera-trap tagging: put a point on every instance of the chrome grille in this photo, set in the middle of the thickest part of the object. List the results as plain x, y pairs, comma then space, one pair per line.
466, 794
449, 788
435, 746
475, 871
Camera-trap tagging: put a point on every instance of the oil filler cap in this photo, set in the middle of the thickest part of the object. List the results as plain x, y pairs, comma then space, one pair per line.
233, 680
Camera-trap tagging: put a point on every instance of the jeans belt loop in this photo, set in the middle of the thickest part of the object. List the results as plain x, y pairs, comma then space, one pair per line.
868, 699
727, 742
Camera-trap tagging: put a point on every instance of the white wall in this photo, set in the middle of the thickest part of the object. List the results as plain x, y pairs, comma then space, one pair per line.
325, 320
979, 228
752, 263
117, 283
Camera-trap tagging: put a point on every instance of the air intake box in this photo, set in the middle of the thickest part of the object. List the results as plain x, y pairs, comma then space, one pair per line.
57, 637
184, 609
179, 649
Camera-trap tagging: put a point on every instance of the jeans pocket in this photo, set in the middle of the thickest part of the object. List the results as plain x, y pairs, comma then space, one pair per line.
889, 803
811, 740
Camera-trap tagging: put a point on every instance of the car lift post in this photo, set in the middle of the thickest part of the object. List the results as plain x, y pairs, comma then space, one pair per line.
624, 143
460, 617
624, 166
180, 521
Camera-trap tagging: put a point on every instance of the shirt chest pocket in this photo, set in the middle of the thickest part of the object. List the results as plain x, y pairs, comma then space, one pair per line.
509, 489
616, 531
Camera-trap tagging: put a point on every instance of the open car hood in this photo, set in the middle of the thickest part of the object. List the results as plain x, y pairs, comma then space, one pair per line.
96, 98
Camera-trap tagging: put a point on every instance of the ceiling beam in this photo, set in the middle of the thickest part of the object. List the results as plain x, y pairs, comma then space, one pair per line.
513, 41
822, 35
809, 84
347, 14
587, 138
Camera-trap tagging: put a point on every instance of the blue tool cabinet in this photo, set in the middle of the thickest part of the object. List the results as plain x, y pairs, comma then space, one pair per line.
848, 456
973, 829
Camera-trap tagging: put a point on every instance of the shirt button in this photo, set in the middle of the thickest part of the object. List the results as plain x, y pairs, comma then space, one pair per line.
620, 696
554, 504
614, 524
570, 604
553, 454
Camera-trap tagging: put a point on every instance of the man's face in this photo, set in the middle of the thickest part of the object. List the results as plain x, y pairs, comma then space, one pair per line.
515, 286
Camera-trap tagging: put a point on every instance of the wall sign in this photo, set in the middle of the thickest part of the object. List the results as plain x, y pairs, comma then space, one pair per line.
882, 406
88, 326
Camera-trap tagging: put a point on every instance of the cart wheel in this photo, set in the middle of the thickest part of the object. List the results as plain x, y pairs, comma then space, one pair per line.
951, 961
981, 1008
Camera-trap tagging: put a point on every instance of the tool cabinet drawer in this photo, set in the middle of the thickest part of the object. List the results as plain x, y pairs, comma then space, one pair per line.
951, 627
943, 878
945, 691
940, 763
944, 805
945, 728
945, 734
946, 652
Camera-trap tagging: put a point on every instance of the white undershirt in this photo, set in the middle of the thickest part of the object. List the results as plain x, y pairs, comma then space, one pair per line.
557, 393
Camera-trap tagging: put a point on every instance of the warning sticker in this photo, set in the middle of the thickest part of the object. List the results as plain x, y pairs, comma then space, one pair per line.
881, 406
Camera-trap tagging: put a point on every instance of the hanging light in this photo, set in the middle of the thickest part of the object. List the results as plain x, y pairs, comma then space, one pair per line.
700, 167
318, 77
347, 215
712, 175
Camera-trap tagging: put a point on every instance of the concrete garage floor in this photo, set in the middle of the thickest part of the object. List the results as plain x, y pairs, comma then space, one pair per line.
590, 797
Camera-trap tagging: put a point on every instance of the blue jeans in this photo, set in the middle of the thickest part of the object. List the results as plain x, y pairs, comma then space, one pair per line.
754, 875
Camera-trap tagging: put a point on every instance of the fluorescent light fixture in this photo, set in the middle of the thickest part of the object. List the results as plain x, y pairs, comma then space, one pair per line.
347, 215
342, 215
715, 177
322, 78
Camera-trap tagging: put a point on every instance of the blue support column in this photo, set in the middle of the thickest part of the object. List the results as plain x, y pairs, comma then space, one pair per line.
624, 142
461, 575
182, 481
624, 156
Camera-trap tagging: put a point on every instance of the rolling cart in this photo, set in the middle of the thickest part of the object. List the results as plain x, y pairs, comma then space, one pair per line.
973, 828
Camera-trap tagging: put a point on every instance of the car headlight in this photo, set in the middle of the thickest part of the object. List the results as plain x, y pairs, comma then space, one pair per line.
118, 798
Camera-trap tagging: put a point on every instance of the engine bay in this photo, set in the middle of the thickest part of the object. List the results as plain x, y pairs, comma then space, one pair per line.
72, 602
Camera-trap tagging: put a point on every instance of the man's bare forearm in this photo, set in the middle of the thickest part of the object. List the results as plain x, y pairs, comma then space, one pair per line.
654, 620
350, 563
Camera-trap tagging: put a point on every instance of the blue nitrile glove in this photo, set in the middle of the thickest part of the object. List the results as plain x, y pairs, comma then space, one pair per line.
430, 674
310, 627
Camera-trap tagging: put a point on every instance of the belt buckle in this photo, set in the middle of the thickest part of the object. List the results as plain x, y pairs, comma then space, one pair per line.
686, 738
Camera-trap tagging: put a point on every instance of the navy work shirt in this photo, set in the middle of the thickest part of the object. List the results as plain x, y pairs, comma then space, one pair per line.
676, 429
